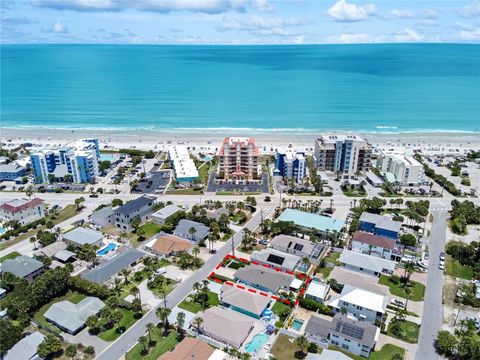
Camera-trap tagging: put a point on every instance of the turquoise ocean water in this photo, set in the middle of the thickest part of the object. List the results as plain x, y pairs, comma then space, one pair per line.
371, 88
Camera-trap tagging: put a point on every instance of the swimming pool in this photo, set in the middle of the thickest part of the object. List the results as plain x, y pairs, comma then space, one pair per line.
257, 342
207, 158
107, 249
107, 157
297, 324
2, 230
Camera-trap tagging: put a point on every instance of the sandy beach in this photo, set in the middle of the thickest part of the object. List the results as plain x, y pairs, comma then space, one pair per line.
145, 139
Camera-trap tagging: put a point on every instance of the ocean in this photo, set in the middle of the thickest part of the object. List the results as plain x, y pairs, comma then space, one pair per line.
365, 88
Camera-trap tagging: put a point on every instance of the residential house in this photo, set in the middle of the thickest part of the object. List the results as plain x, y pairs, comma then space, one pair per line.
277, 260
22, 210
52, 249
83, 236
356, 337
363, 304
227, 326
161, 216
191, 230
70, 317
310, 221
104, 217
12, 171
317, 291
23, 267
296, 246
215, 214
140, 207
189, 349
380, 225
64, 256
167, 245
244, 301
113, 266
262, 278
344, 276
367, 264
26, 348
375, 245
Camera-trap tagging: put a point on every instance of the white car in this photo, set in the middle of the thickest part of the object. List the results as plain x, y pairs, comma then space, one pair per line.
441, 266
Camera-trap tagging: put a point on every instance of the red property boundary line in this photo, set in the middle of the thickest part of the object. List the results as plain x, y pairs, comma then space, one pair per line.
273, 297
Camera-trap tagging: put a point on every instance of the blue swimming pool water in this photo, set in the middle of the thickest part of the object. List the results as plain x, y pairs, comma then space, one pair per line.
207, 158
297, 324
107, 249
2, 230
257, 342
107, 157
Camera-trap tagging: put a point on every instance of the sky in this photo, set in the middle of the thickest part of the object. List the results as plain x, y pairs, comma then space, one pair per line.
238, 22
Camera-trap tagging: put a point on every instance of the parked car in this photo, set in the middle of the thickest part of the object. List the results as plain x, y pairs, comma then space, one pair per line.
442, 256
397, 302
441, 266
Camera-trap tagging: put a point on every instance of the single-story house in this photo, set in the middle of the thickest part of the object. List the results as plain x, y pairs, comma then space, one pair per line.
215, 214
363, 304
276, 259
322, 224
262, 278
227, 326
167, 245
367, 264
380, 225
374, 245
243, 301
113, 266
70, 317
317, 291
161, 216
64, 255
191, 349
103, 217
23, 267
373, 179
52, 249
184, 227
297, 246
82, 236
26, 348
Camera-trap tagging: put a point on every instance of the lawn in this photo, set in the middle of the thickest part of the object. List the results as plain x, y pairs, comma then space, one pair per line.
161, 345
353, 193
325, 271
127, 321
417, 293
410, 330
203, 172
385, 353
150, 229
455, 269
282, 311
71, 296
11, 255
194, 307
285, 348
66, 213
332, 257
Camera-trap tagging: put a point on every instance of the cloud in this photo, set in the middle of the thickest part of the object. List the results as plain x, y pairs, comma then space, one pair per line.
342, 11
402, 14
57, 28
15, 21
470, 35
161, 6
260, 25
407, 35
471, 10
410, 14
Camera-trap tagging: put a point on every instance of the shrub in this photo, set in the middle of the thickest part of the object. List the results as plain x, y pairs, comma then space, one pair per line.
395, 279
408, 240
312, 348
312, 305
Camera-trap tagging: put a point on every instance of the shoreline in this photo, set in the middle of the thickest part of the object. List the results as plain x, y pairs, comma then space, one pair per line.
143, 138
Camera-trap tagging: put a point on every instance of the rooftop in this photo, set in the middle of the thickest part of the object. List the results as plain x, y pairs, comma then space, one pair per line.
105, 211
318, 326
365, 261
113, 266
21, 266
167, 211
380, 221
344, 276
16, 205
276, 258
317, 289
167, 243
297, 244
358, 331
134, 205
264, 277
361, 297
243, 299
11, 167
52, 249
82, 236
72, 316
374, 240
26, 348
189, 349
64, 255
182, 229
314, 221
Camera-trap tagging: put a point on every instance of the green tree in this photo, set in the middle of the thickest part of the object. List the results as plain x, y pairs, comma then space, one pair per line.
10, 334
49, 346
408, 239
144, 341
78, 203
71, 350
196, 251
192, 231
117, 202
180, 323
149, 327
446, 343
89, 350
302, 342
163, 314
136, 221
29, 191
198, 321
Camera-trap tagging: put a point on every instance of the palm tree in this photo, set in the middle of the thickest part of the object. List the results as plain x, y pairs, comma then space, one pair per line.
117, 282
135, 291
306, 263
29, 191
144, 341
409, 269
180, 323
149, 327
163, 314
192, 231
33, 240
196, 251
125, 273
302, 342
198, 321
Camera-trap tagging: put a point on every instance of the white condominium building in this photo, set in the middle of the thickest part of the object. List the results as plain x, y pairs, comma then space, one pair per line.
184, 167
345, 154
405, 169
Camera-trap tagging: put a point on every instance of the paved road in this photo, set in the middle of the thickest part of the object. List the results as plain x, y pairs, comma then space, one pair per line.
433, 308
129, 338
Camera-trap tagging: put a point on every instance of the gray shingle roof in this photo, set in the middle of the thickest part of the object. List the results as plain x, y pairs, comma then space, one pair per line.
318, 327
81, 236
276, 258
26, 348
184, 225
134, 205
72, 316
295, 243
113, 266
103, 212
21, 266
363, 332
64, 255
380, 221
264, 277
167, 211
365, 261
243, 299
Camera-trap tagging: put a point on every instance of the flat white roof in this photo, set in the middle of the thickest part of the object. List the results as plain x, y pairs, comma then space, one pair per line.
317, 289
184, 165
363, 298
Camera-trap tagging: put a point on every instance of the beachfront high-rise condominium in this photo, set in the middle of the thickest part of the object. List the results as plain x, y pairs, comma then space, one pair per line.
291, 164
343, 154
401, 168
75, 162
238, 159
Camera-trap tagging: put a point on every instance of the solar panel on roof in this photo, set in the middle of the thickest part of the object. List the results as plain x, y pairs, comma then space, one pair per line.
275, 259
350, 330
298, 247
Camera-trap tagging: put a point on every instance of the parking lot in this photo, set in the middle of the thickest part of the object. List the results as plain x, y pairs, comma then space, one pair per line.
244, 186
155, 182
